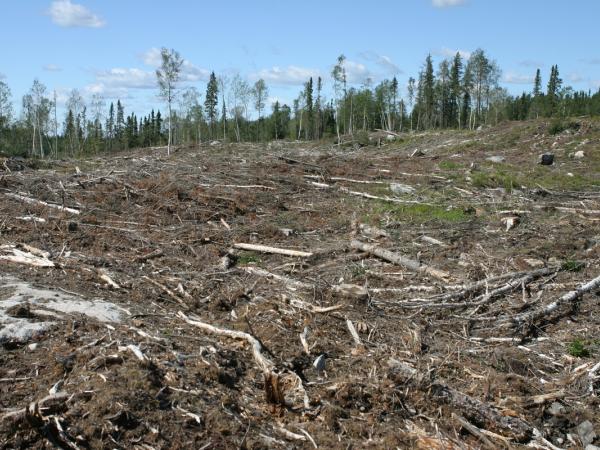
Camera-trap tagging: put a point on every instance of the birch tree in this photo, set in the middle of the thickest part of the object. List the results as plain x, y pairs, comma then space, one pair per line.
260, 92
167, 77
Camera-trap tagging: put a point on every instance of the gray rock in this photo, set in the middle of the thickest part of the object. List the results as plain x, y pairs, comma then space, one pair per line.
586, 432
592, 447
556, 409
579, 154
319, 363
496, 159
398, 188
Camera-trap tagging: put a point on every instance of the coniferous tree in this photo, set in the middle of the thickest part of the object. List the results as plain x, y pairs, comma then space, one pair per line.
554, 86
158, 136
210, 102
537, 84
456, 73
411, 98
69, 132
394, 99
310, 118
428, 93
318, 121
120, 123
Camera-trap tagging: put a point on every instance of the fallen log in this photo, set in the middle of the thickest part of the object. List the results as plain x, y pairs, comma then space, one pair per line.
35, 201
275, 250
481, 412
13, 254
462, 291
400, 260
286, 280
542, 312
483, 298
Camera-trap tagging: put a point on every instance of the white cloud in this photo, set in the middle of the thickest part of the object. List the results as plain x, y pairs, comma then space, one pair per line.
192, 73
290, 75
151, 57
575, 78
66, 14
52, 68
515, 78
126, 78
447, 3
2, 76
106, 91
450, 53
531, 63
357, 72
189, 71
595, 84
385, 62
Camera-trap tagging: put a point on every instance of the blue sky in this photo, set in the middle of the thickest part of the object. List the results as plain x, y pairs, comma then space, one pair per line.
110, 46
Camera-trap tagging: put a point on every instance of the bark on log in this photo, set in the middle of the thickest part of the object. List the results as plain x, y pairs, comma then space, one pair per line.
35, 201
275, 250
400, 260
537, 314
518, 429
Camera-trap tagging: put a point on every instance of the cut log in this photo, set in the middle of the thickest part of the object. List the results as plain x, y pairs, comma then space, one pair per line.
275, 250
542, 312
400, 260
481, 412
289, 282
35, 201
12, 254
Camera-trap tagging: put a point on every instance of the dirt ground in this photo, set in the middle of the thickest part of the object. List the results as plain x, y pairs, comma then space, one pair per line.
361, 352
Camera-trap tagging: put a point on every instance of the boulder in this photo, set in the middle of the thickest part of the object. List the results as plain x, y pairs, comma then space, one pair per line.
547, 159
398, 188
496, 159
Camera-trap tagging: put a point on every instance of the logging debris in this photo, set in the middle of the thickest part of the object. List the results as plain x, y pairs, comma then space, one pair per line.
237, 296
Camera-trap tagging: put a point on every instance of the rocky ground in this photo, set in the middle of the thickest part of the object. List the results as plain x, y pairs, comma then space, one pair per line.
434, 290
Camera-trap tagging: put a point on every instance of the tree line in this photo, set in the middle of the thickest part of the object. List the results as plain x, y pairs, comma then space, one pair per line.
462, 93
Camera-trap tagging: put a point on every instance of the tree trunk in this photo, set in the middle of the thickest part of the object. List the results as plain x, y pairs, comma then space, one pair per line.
170, 127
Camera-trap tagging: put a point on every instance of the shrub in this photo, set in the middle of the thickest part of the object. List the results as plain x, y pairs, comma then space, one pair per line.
578, 349
361, 138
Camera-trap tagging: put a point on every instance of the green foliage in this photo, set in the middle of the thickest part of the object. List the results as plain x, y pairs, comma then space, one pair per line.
450, 165
498, 178
210, 102
578, 349
573, 266
557, 126
246, 258
420, 212
361, 138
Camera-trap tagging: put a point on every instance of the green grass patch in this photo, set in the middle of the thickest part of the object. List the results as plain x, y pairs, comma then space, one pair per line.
419, 212
495, 179
573, 266
246, 258
578, 348
555, 180
450, 165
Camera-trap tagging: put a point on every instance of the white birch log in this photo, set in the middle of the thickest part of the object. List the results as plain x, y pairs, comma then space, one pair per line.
275, 250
